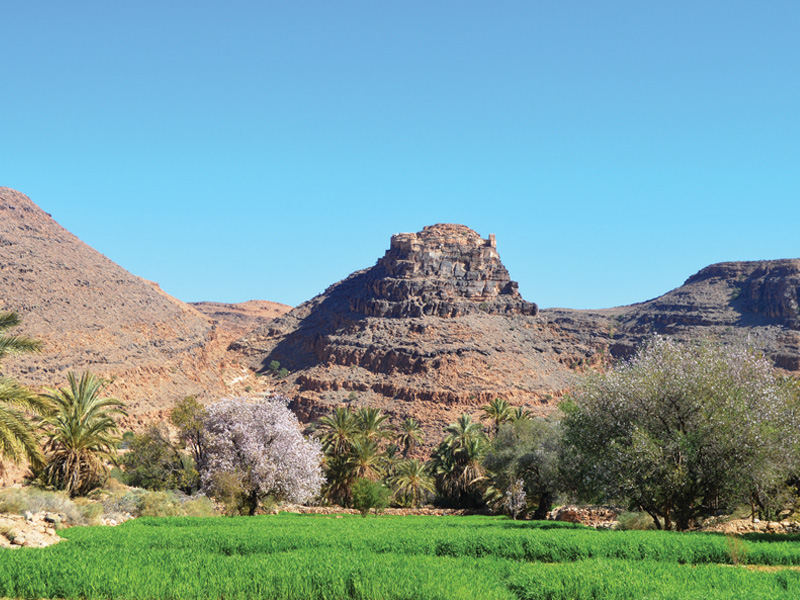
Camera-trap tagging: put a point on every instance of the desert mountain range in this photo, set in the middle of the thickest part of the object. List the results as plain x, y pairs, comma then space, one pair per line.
436, 328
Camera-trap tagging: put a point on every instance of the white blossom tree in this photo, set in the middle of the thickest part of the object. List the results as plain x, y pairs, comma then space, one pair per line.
258, 443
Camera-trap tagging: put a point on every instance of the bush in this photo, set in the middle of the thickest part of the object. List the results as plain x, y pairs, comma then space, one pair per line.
144, 503
369, 494
229, 490
153, 462
635, 521
35, 500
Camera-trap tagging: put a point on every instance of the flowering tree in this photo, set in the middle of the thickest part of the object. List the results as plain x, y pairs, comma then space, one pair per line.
682, 430
258, 443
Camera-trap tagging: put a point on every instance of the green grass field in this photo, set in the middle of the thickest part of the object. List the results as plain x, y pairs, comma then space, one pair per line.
306, 557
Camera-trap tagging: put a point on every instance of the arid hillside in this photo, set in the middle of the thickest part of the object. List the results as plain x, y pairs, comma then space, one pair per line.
90, 313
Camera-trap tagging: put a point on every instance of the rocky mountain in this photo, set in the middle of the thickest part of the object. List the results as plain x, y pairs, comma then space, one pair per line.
90, 313
437, 328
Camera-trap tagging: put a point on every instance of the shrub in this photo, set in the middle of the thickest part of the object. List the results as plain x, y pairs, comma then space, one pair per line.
367, 494
35, 500
155, 463
635, 521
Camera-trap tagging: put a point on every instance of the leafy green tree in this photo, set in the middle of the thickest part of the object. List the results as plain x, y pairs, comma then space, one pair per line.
18, 439
412, 482
680, 430
528, 453
189, 417
82, 436
153, 462
409, 435
369, 494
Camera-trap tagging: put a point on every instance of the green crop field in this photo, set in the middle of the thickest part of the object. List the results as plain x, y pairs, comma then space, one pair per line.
305, 557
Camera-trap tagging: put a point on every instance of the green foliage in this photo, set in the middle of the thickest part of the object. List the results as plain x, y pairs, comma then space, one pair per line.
229, 489
155, 463
409, 435
274, 366
635, 521
368, 494
499, 411
18, 439
683, 431
412, 483
392, 558
456, 463
355, 447
283, 373
189, 417
529, 450
81, 435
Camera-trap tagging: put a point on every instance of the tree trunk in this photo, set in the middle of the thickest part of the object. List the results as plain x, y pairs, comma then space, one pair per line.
545, 504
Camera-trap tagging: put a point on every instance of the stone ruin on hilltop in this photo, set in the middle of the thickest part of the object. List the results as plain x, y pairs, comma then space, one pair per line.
445, 270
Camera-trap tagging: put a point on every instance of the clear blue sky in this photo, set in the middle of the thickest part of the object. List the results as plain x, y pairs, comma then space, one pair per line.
241, 150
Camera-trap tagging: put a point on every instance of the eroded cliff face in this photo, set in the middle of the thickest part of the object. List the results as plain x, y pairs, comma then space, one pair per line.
444, 271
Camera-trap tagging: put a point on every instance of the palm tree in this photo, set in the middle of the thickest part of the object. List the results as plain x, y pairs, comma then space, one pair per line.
389, 461
463, 430
372, 424
456, 462
499, 411
520, 414
14, 344
409, 435
412, 481
337, 431
18, 440
81, 435
364, 461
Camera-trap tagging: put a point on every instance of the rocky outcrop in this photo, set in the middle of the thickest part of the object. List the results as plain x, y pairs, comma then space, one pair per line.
754, 303
444, 271
435, 328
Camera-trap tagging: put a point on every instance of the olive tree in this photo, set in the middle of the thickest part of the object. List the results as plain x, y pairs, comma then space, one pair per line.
259, 444
681, 430
525, 456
